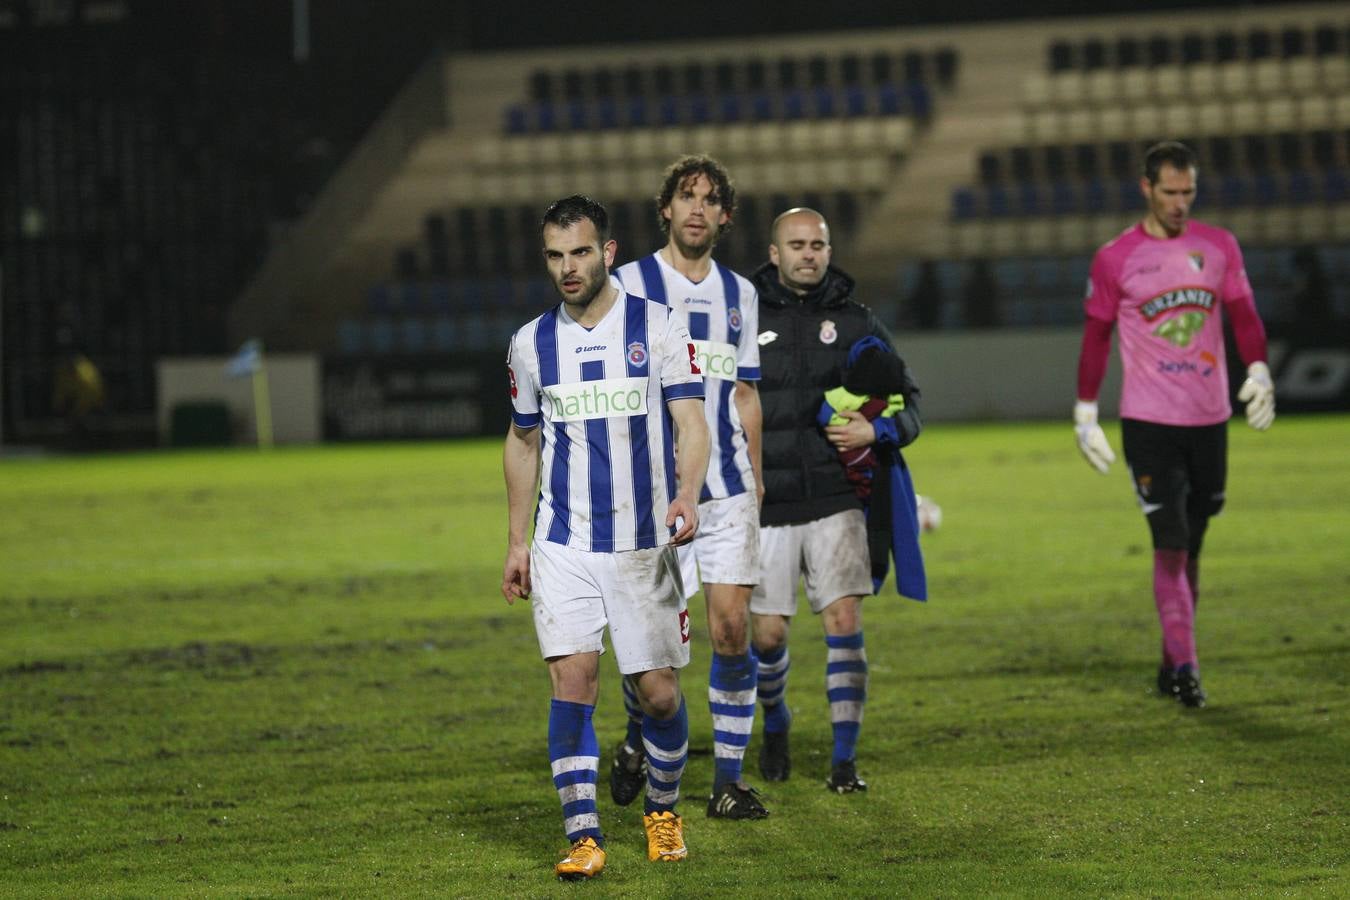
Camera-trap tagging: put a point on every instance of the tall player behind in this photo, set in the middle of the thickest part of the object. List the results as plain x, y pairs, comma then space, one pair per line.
597, 383
1162, 283
695, 207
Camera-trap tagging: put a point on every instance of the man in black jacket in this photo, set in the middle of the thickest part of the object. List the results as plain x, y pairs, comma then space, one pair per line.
812, 522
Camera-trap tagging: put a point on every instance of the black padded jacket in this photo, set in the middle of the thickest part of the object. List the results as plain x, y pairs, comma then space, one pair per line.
803, 347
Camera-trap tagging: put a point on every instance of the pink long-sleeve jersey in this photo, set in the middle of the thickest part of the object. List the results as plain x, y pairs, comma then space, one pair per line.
1164, 297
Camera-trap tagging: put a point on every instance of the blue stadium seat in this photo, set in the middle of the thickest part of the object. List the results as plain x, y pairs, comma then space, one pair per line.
412, 335
1232, 190
380, 334
378, 299
668, 111
1299, 188
1029, 201
606, 113
889, 102
577, 114
545, 116
964, 205
1063, 198
855, 101
437, 296
351, 336
1127, 194
1011, 276
1093, 196
761, 106
443, 333
698, 109
918, 100
408, 297
637, 114
996, 202
794, 104
516, 119
729, 107
1336, 186
822, 102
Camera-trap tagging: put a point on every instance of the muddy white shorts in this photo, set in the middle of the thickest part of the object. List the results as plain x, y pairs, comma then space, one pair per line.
636, 593
831, 553
726, 548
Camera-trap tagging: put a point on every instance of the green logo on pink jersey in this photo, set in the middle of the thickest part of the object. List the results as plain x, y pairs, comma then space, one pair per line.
1180, 330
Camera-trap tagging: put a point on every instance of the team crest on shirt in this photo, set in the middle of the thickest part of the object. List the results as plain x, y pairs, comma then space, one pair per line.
1197, 261
637, 354
734, 319
828, 333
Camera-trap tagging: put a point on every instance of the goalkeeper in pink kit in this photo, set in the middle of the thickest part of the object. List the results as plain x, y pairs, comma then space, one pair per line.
1162, 284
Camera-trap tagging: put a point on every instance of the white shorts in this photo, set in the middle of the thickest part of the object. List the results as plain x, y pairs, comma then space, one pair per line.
726, 548
637, 593
831, 553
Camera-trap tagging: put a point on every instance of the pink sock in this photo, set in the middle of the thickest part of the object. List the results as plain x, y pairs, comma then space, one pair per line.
1193, 578
1176, 611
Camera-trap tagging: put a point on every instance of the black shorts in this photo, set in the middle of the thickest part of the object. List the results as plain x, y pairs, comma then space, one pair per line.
1179, 475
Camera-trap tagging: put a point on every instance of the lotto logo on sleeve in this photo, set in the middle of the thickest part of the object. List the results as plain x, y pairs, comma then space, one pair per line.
604, 399
684, 626
717, 360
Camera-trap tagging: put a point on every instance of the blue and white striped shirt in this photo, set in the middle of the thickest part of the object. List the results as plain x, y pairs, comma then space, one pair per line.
600, 394
722, 314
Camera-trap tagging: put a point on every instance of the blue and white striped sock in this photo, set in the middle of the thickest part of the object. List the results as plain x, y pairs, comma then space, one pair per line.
667, 746
575, 755
633, 708
772, 677
846, 686
731, 700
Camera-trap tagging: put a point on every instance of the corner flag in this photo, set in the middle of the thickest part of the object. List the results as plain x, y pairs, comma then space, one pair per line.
249, 361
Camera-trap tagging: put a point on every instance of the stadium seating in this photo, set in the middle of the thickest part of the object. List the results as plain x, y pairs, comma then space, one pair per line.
419, 309
727, 91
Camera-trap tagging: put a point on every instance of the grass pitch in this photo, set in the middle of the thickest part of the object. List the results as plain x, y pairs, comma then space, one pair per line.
291, 674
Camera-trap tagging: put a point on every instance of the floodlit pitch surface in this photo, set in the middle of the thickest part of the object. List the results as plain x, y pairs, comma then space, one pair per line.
290, 674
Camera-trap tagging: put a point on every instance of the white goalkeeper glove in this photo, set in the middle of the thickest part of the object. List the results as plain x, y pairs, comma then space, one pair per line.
1258, 392
1091, 439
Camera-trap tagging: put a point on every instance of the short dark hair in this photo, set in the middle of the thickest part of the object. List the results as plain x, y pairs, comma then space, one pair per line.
691, 167
1174, 153
569, 211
